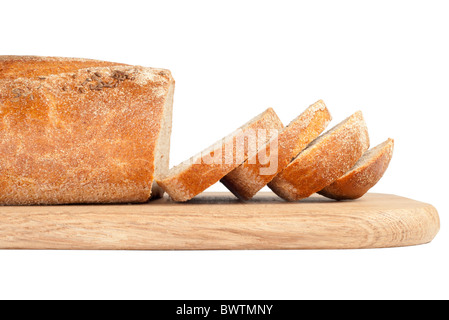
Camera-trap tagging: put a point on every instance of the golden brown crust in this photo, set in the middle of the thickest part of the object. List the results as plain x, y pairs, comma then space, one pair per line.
256, 172
78, 131
326, 159
190, 179
13, 67
355, 183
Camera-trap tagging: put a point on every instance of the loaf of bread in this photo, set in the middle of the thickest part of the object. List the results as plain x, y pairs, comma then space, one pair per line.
82, 131
364, 175
193, 176
257, 171
326, 159
88, 131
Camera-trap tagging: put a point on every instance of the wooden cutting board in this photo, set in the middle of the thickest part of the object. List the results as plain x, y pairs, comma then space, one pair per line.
219, 221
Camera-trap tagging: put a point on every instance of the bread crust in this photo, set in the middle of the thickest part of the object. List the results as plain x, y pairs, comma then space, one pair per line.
14, 67
78, 130
256, 172
355, 183
326, 159
195, 175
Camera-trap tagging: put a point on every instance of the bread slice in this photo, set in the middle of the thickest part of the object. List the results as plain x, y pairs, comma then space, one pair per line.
326, 159
196, 174
257, 171
364, 175
82, 131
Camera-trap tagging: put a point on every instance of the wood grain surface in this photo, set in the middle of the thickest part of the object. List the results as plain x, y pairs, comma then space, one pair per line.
220, 221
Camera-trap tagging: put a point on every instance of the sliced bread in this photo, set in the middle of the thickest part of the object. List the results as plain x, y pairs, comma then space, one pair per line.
193, 176
325, 160
364, 175
257, 171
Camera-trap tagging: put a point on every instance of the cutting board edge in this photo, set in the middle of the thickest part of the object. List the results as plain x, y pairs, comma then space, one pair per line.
90, 235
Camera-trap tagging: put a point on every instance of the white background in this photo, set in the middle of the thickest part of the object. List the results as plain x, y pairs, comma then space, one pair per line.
231, 60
